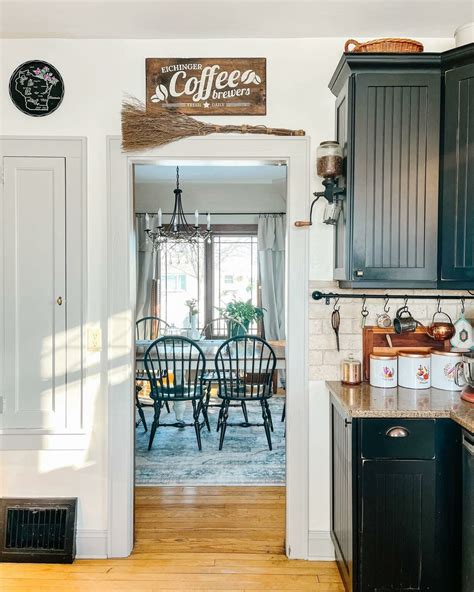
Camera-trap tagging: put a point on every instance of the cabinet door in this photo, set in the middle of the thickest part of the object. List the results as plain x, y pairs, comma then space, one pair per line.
343, 234
34, 277
397, 527
341, 494
458, 177
396, 162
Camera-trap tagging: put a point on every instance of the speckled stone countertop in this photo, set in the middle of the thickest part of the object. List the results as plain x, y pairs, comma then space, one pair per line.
364, 400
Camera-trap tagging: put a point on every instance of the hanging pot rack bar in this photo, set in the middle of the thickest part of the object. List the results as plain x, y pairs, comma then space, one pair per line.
327, 296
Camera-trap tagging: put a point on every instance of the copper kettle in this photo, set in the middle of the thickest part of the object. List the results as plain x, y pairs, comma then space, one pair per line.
441, 330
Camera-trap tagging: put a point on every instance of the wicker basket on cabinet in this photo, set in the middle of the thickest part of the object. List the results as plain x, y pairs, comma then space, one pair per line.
388, 45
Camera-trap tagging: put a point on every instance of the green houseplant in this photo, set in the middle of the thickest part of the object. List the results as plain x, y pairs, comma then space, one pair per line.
239, 315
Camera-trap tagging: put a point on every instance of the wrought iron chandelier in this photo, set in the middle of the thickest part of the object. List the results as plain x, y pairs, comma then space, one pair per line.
178, 230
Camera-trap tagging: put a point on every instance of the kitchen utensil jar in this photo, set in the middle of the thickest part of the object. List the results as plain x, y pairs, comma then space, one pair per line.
383, 370
414, 369
443, 370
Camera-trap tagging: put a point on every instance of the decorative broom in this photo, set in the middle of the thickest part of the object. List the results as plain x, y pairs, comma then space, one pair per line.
142, 131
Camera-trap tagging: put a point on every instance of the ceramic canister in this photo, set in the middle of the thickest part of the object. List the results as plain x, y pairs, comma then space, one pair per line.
414, 369
383, 370
443, 365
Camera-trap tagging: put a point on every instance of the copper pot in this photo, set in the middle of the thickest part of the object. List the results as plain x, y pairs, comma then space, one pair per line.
441, 330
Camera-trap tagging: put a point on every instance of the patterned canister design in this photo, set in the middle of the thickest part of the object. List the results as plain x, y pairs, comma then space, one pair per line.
383, 370
443, 365
414, 369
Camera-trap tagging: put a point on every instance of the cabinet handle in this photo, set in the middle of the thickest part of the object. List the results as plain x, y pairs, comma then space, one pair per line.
397, 432
59, 301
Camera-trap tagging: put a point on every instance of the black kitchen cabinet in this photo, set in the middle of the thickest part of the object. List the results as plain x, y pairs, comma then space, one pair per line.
342, 494
397, 531
406, 125
457, 196
395, 515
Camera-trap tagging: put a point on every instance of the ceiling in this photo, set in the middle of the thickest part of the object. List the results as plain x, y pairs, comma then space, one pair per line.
221, 19
248, 174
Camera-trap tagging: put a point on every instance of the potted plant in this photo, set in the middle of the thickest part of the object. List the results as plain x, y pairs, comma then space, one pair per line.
239, 315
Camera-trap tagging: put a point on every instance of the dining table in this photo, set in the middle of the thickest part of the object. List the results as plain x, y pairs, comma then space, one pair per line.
209, 348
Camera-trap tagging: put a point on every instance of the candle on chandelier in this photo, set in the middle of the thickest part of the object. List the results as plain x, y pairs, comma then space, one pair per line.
159, 217
147, 222
208, 221
196, 218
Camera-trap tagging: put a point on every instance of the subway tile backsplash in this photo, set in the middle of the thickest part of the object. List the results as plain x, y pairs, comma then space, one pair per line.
324, 359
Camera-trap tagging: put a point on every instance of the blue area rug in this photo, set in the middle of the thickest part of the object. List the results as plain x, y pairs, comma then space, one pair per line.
244, 460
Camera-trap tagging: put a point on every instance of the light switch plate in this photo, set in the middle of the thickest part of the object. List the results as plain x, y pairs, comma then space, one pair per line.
94, 339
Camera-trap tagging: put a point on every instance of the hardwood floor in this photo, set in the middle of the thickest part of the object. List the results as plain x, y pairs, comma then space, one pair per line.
191, 538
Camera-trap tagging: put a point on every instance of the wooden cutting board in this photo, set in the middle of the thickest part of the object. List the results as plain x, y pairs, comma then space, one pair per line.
378, 340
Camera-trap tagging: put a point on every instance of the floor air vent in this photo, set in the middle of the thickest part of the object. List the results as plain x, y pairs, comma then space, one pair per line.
39, 530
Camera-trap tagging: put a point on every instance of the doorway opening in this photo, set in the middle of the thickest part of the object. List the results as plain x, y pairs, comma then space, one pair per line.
210, 272
212, 289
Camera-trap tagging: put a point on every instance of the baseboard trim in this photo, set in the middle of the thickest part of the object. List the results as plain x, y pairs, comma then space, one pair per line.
320, 547
91, 544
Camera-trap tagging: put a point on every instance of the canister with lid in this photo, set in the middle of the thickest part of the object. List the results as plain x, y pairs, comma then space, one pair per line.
351, 371
383, 370
414, 369
443, 364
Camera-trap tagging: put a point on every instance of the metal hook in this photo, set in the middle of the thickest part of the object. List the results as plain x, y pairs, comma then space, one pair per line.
438, 308
386, 308
405, 302
463, 308
336, 308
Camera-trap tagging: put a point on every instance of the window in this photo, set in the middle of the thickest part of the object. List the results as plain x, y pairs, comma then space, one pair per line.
239, 254
181, 269
212, 274
176, 282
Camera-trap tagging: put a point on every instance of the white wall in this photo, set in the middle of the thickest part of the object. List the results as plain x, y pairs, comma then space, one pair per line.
214, 197
97, 73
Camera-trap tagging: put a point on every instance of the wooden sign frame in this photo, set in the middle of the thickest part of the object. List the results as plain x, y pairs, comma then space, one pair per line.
207, 86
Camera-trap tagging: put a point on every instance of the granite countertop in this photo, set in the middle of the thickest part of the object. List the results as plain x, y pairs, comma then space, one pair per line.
364, 400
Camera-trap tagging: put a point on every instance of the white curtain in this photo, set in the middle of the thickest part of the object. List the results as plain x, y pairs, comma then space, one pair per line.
146, 271
271, 260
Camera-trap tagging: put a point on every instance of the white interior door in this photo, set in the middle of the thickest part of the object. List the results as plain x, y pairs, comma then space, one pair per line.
34, 293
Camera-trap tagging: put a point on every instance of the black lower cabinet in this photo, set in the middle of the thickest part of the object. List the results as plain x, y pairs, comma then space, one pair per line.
397, 526
396, 503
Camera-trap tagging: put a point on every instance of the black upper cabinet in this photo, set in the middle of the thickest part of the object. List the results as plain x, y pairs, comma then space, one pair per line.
389, 120
457, 197
396, 156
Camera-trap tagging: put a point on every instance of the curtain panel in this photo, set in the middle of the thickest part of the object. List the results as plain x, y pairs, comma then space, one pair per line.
271, 260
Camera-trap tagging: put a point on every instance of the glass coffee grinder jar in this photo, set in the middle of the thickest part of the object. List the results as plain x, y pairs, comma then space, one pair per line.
329, 166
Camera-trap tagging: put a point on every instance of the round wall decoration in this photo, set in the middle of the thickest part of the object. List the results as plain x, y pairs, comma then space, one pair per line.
36, 88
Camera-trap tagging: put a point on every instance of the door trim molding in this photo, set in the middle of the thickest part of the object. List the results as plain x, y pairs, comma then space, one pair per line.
120, 331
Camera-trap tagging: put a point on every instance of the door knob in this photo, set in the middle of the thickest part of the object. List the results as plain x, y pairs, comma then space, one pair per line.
59, 300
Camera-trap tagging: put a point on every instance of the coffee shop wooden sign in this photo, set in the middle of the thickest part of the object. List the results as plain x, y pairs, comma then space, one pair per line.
206, 86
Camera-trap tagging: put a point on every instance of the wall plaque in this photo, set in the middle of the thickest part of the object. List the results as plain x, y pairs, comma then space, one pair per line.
36, 88
207, 86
